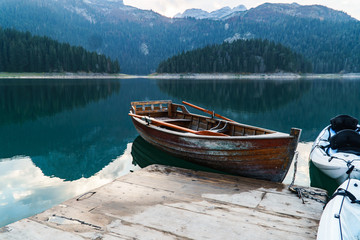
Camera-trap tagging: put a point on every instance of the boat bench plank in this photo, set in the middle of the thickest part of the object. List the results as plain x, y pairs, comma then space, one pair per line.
161, 202
151, 102
173, 119
151, 107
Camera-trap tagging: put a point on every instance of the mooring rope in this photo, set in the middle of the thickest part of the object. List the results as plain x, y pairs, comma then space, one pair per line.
302, 192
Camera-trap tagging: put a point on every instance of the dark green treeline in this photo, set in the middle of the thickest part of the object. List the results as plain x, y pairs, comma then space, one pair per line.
242, 56
22, 52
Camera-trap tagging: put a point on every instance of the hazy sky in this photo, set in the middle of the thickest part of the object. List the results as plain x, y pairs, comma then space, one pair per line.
171, 7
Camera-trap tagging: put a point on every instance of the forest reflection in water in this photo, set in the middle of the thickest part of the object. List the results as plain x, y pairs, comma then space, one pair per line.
22, 99
251, 96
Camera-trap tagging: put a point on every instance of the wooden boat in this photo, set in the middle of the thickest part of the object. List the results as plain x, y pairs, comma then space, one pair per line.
223, 145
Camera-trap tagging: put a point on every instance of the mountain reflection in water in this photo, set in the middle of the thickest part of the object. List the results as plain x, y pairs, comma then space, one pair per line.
52, 122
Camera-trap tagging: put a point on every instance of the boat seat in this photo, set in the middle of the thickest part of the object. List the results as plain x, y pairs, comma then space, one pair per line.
346, 140
170, 120
342, 122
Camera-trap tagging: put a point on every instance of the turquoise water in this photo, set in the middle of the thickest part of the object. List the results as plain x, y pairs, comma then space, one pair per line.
61, 138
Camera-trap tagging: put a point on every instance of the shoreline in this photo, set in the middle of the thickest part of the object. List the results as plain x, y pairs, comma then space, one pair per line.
65, 76
273, 76
198, 76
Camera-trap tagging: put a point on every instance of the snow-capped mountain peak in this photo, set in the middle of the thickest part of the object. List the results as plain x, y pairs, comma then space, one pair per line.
219, 14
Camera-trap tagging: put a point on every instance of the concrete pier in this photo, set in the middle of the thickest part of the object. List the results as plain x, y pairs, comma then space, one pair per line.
160, 202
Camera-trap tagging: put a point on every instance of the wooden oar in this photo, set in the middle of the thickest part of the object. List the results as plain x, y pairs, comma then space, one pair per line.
207, 111
158, 122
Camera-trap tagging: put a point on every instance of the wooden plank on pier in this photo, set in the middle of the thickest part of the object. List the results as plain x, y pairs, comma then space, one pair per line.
161, 202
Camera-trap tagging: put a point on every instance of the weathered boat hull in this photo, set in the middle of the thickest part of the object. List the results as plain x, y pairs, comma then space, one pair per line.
260, 156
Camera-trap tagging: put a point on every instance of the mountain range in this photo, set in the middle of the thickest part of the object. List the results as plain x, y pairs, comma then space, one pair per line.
270, 11
141, 39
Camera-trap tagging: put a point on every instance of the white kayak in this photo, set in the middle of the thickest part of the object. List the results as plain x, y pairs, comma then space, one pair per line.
341, 216
336, 151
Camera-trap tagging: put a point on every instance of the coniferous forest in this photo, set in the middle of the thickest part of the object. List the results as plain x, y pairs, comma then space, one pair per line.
242, 56
22, 52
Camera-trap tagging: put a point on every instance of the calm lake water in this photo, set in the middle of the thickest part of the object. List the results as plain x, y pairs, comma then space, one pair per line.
61, 138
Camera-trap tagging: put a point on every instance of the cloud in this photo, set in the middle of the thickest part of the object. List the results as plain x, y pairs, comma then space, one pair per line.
25, 190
